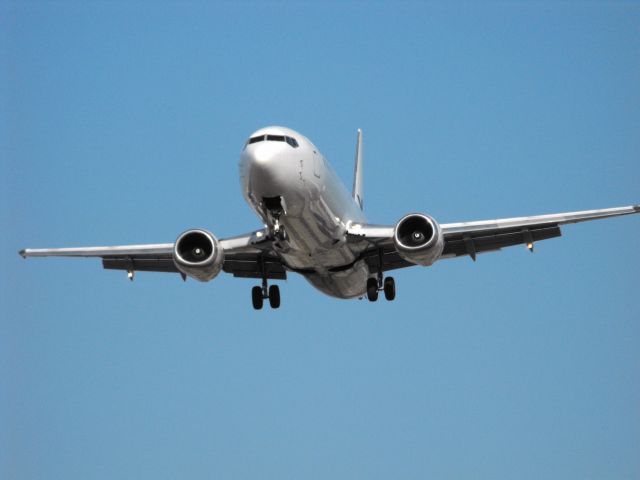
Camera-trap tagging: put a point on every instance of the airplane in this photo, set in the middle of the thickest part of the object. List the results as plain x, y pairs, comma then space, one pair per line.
315, 227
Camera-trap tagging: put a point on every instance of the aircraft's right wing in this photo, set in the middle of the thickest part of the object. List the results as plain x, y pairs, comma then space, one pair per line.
247, 256
472, 238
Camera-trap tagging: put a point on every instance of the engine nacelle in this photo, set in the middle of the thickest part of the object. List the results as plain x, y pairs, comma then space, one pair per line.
418, 239
197, 253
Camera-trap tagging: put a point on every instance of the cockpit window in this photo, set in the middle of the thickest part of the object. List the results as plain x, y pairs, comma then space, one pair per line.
256, 139
273, 138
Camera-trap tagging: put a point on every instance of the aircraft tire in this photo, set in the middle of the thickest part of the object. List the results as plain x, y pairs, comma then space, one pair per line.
389, 288
256, 297
274, 296
372, 289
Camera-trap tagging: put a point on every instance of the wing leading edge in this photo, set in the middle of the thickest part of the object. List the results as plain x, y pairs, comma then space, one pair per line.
121, 250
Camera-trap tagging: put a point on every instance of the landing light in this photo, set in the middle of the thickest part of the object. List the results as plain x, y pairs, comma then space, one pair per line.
526, 233
131, 274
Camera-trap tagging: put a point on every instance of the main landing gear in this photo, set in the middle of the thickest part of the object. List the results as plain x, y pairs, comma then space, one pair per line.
374, 285
258, 294
387, 285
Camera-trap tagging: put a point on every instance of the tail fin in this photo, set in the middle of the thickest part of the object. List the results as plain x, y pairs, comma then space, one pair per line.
357, 174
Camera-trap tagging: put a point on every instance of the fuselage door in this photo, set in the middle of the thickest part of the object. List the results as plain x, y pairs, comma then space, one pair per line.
317, 163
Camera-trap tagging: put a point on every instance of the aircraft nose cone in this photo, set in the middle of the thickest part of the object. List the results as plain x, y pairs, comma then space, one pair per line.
268, 169
262, 154
263, 160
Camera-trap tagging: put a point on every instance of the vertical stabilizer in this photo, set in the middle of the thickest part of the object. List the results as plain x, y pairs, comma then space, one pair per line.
357, 173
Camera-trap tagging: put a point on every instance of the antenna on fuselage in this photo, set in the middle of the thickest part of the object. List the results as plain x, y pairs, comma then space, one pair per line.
357, 174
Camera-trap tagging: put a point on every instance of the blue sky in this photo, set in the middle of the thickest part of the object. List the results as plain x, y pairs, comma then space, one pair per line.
123, 122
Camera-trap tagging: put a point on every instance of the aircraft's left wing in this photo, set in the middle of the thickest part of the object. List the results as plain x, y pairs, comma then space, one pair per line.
490, 235
472, 238
248, 256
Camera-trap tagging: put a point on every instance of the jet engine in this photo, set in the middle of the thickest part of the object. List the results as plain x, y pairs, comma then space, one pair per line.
197, 253
418, 239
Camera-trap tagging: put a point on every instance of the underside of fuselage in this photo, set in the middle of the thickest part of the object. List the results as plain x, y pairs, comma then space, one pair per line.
307, 209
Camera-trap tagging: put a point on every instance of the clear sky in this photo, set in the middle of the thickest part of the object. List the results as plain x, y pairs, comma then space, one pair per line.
122, 123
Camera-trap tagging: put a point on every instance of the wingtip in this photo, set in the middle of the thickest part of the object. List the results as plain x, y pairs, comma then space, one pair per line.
636, 208
23, 253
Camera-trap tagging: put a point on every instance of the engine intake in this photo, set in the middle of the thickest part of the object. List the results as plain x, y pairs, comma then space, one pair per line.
197, 253
418, 239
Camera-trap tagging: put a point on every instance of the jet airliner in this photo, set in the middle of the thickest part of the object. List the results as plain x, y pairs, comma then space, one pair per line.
315, 227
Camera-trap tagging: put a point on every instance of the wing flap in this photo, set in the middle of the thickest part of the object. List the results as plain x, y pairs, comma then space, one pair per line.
140, 264
458, 244
389, 257
253, 269
244, 265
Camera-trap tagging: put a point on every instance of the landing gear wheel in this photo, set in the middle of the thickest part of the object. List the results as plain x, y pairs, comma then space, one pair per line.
389, 288
372, 289
274, 296
256, 297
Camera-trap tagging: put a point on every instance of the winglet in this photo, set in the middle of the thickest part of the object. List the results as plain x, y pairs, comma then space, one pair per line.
636, 208
23, 253
357, 174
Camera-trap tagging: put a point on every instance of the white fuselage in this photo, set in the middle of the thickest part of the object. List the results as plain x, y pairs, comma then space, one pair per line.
294, 190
